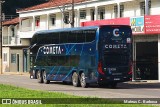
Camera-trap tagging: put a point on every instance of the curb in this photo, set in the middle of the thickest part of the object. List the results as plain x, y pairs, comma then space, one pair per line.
16, 73
142, 82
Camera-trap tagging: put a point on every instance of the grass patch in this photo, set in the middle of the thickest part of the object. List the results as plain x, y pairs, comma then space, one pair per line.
57, 99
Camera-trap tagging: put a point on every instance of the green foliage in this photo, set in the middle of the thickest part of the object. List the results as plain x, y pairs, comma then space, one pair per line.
10, 6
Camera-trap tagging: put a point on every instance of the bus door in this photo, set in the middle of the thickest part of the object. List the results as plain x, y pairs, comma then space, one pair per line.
26, 61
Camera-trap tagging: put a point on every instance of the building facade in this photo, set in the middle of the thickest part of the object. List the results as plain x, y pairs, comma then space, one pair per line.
12, 46
142, 15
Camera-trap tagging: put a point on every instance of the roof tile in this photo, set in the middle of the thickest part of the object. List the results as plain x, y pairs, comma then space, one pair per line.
49, 4
11, 22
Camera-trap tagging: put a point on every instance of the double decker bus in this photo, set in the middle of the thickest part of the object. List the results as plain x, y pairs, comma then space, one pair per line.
83, 55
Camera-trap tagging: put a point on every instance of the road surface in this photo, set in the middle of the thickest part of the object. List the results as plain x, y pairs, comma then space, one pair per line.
123, 90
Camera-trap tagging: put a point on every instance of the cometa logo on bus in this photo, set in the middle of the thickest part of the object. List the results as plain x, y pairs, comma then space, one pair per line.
118, 46
52, 50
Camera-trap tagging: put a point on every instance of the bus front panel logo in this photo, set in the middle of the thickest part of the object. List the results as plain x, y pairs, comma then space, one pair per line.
116, 35
116, 32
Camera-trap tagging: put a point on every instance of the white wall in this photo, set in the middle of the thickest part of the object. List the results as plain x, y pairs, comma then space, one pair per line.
5, 31
159, 58
26, 24
5, 64
43, 22
109, 12
155, 7
131, 9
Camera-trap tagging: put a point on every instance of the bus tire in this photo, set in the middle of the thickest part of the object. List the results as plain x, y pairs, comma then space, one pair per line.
83, 80
31, 74
35, 74
39, 77
45, 78
75, 79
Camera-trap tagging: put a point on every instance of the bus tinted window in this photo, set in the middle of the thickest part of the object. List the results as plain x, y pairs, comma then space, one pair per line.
52, 60
74, 60
41, 61
80, 37
55, 38
90, 35
77, 36
72, 37
64, 37
58, 60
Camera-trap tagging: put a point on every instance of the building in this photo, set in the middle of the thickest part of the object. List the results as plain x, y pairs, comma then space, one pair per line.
12, 46
142, 15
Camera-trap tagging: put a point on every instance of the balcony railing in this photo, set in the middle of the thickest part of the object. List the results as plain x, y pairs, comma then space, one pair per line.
26, 29
6, 40
11, 40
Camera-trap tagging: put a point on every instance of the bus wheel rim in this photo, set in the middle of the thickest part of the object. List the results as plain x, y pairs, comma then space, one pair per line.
83, 79
44, 76
74, 79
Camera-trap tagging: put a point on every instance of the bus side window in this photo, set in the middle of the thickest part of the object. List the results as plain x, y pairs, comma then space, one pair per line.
41, 61
63, 37
61, 60
67, 60
55, 38
74, 60
80, 37
72, 37
90, 36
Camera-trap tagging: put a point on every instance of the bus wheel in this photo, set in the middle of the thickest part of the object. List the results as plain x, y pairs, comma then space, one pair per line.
45, 78
39, 77
75, 80
34, 74
83, 80
31, 75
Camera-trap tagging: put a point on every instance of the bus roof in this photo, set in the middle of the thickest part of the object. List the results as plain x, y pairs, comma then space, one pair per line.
65, 29
40, 33
72, 29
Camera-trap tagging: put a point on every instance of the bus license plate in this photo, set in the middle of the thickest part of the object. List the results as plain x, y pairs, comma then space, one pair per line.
116, 79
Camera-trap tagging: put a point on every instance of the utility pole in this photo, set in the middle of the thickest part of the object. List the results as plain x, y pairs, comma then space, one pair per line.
1, 1
146, 7
72, 20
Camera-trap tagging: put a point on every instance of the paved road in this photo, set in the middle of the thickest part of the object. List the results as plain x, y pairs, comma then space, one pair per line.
123, 90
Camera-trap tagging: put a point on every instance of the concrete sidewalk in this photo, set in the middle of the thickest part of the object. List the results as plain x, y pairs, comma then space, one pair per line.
16, 73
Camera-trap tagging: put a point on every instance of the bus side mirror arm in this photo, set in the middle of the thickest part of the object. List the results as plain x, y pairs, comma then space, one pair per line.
32, 46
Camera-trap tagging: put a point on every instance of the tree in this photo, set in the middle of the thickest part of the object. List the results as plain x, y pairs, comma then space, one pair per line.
10, 6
